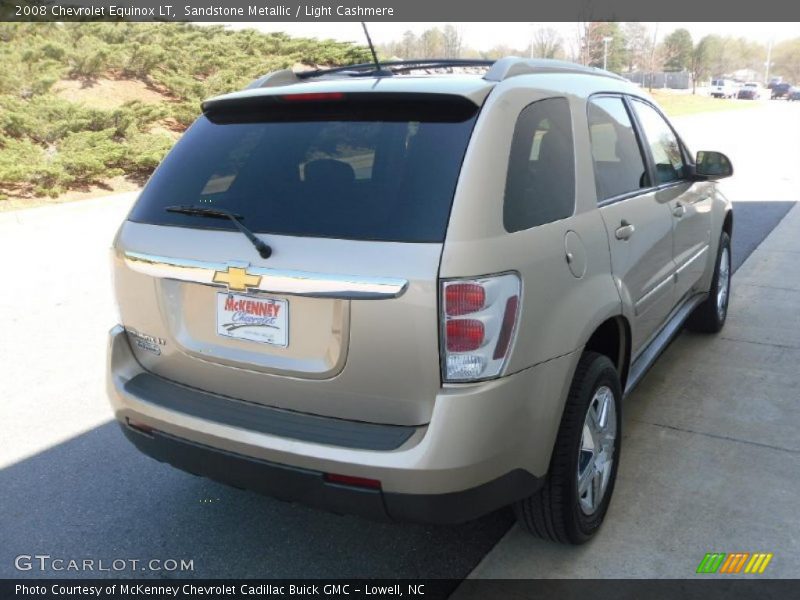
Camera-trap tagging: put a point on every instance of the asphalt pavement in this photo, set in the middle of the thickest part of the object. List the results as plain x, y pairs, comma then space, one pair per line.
73, 488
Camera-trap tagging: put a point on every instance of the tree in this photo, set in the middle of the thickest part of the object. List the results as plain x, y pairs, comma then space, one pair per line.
637, 45
593, 46
654, 59
498, 52
786, 56
677, 50
451, 42
408, 45
546, 43
431, 43
725, 54
701, 59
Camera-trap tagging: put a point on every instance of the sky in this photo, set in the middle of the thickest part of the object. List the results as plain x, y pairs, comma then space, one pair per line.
483, 36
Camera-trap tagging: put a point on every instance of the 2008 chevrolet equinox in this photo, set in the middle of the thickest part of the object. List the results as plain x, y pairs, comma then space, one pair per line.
419, 292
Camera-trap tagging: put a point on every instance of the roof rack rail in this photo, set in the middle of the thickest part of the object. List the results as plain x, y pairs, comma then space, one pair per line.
511, 66
274, 79
497, 70
289, 77
397, 66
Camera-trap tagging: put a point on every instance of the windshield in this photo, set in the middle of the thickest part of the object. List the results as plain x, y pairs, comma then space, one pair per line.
382, 178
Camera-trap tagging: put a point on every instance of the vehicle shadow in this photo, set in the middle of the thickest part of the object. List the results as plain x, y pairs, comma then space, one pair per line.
752, 222
95, 496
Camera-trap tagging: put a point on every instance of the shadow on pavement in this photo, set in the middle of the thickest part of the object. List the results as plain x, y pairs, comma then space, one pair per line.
760, 218
95, 496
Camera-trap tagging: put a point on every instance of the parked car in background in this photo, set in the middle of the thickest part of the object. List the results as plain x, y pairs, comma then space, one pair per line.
780, 90
724, 88
793, 95
750, 91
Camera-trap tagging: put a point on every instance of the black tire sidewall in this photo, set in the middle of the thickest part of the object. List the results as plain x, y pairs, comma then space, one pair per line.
724, 242
601, 372
706, 317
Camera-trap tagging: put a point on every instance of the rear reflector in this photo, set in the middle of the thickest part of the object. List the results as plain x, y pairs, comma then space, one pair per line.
509, 317
464, 335
313, 97
362, 482
140, 427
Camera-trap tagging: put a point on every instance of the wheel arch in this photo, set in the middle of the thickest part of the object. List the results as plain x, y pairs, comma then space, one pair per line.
612, 338
727, 223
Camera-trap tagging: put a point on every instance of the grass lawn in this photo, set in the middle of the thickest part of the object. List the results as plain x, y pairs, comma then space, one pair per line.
688, 104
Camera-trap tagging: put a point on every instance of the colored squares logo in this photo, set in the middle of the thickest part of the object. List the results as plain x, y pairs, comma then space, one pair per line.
733, 563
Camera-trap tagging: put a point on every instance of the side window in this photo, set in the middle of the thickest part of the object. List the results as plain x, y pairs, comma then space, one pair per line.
540, 183
618, 164
664, 145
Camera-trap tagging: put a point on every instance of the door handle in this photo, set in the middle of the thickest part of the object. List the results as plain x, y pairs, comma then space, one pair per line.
679, 210
625, 230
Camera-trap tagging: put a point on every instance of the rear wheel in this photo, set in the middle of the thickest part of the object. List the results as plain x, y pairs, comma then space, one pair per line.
571, 505
709, 317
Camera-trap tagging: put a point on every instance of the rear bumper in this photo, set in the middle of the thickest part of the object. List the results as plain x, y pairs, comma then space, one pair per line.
487, 444
310, 487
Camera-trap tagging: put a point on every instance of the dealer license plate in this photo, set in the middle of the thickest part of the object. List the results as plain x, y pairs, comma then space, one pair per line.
253, 318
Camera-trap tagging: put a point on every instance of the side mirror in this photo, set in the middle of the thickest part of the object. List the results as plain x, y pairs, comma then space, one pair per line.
712, 165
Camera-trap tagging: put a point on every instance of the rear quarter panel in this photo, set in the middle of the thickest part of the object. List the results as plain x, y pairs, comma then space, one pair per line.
559, 311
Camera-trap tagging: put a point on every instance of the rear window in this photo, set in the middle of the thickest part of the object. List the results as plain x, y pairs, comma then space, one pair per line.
382, 171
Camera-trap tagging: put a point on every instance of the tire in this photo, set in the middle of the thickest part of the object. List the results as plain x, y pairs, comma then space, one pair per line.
710, 316
558, 510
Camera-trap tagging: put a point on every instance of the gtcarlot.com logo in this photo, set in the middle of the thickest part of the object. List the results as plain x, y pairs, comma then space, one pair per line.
754, 563
46, 562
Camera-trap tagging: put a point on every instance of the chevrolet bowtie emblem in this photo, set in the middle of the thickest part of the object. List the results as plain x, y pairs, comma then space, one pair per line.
237, 278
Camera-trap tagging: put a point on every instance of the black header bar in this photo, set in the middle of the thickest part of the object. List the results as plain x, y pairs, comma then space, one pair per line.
398, 10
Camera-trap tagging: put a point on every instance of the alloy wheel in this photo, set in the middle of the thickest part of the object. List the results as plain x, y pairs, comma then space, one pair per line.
596, 458
723, 282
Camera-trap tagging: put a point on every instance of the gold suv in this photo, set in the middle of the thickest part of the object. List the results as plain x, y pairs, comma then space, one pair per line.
419, 292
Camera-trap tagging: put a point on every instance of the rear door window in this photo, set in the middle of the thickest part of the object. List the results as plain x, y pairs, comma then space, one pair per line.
540, 182
619, 167
382, 171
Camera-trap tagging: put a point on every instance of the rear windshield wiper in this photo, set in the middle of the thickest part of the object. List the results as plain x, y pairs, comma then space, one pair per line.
220, 213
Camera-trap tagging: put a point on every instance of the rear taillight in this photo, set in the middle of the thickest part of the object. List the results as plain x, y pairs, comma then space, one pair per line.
464, 335
479, 318
464, 298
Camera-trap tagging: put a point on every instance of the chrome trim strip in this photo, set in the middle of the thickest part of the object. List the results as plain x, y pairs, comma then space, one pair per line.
277, 281
691, 261
643, 300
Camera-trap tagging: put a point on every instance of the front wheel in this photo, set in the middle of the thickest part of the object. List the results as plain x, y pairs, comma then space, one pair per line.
710, 316
571, 505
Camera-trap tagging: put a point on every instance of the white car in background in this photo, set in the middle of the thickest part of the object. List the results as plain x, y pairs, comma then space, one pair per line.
724, 88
